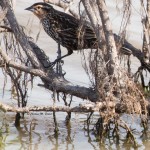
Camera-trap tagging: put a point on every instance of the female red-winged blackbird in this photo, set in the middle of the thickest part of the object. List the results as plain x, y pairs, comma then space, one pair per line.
64, 28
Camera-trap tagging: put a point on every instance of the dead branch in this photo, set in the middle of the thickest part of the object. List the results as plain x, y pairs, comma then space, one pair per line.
110, 42
11, 63
20, 36
96, 24
53, 83
7, 108
65, 6
2, 14
91, 107
146, 32
87, 107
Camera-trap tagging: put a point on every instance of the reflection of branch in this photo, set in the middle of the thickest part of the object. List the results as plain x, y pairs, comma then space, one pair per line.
130, 134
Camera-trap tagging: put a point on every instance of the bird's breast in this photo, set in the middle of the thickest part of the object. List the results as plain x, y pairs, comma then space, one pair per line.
49, 28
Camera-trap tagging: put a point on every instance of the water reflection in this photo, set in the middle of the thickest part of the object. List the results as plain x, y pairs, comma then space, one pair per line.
27, 135
3, 129
37, 132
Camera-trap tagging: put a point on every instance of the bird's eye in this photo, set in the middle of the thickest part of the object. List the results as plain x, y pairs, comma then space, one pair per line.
38, 7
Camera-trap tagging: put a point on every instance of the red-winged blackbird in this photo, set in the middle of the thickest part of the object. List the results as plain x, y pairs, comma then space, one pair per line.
64, 28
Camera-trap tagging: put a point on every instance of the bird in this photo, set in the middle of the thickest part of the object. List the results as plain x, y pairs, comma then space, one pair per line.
65, 29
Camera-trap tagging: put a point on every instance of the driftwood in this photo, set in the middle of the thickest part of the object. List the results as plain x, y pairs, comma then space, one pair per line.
89, 107
85, 107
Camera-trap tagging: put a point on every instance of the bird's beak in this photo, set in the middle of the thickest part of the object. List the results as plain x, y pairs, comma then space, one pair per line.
30, 9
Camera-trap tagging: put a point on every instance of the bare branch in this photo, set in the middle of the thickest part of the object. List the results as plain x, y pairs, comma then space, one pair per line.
65, 6
110, 42
96, 24
88, 108
52, 82
20, 36
2, 14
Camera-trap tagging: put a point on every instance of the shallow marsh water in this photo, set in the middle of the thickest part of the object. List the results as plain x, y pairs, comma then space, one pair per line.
37, 129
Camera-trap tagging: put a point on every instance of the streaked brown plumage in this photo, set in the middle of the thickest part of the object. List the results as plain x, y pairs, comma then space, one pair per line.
64, 28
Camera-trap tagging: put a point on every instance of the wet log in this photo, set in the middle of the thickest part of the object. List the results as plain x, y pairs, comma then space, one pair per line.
87, 107
90, 107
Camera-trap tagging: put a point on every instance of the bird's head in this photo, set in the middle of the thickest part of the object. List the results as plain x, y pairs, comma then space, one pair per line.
40, 9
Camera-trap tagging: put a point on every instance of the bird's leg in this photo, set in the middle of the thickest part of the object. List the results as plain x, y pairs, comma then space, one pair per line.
58, 59
69, 53
58, 65
59, 51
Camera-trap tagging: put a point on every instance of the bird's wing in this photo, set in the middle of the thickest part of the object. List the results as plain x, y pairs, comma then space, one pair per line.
71, 26
66, 24
72, 29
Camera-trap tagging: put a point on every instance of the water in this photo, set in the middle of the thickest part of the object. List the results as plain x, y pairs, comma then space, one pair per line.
37, 129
